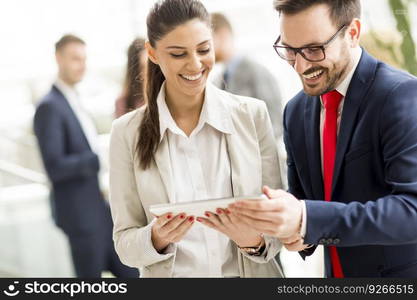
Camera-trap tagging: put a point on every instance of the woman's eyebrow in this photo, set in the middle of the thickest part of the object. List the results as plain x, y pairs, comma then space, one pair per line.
179, 47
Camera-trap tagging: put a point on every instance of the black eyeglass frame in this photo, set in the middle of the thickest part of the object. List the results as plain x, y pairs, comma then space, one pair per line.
322, 47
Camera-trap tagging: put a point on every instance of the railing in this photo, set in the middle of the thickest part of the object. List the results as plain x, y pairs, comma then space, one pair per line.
22, 172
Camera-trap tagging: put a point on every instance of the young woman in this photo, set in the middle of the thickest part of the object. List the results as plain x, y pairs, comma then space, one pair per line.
191, 141
132, 94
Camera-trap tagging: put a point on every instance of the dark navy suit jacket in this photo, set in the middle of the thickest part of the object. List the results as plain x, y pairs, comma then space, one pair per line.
372, 217
72, 167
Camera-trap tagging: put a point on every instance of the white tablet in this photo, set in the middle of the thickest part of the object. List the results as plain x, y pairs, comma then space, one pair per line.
198, 208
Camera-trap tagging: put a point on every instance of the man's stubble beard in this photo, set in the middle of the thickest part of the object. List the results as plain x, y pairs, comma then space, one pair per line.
336, 77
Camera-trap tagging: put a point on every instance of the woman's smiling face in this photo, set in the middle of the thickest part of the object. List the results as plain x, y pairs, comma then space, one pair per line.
186, 57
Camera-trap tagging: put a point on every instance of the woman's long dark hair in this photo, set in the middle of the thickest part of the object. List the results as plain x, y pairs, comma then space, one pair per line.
164, 17
133, 85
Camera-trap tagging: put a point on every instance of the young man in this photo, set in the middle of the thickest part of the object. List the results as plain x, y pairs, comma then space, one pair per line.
67, 140
351, 139
244, 76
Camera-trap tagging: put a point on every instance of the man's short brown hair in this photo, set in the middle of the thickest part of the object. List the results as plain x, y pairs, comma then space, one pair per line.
67, 39
342, 12
219, 21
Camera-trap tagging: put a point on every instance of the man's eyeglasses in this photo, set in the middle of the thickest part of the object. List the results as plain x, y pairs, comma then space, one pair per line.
310, 53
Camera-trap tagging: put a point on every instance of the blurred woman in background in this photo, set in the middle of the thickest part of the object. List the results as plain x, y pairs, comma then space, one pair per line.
132, 94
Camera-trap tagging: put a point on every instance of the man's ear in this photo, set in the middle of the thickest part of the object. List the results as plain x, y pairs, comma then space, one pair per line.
151, 52
354, 32
58, 56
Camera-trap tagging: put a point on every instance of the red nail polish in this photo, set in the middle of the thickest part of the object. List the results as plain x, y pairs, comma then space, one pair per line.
207, 214
219, 211
169, 217
182, 216
199, 219
191, 219
227, 211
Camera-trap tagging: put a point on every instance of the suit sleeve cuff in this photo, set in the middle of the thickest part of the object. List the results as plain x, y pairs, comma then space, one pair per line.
144, 239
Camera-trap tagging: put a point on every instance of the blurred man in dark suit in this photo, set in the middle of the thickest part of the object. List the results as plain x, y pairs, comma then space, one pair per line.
68, 142
244, 76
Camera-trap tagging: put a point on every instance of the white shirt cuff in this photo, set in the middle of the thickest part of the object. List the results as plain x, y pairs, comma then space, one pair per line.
303, 229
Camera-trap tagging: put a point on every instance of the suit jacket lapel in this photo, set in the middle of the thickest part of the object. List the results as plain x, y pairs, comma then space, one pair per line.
358, 88
245, 171
163, 163
312, 134
71, 114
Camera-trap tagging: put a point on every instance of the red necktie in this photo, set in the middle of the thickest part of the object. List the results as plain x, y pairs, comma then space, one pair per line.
331, 101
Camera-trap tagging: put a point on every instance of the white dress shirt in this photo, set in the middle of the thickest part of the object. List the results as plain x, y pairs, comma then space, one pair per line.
342, 89
87, 125
201, 170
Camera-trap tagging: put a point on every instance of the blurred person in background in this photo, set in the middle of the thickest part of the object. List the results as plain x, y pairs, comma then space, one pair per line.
191, 141
242, 75
132, 94
68, 142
